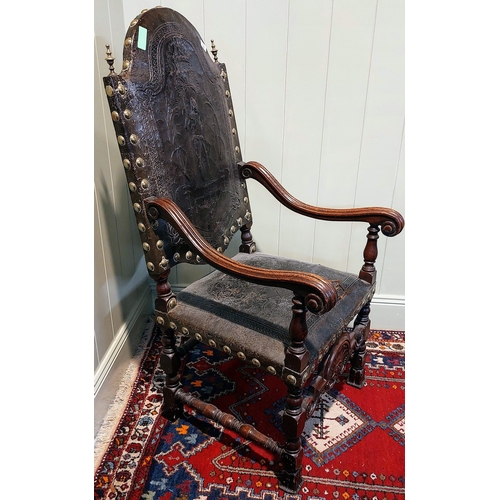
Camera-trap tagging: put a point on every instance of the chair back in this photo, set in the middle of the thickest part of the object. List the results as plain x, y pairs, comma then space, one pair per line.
174, 120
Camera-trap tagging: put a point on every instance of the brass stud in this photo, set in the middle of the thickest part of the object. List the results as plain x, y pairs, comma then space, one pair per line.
199, 259
291, 379
132, 187
241, 355
146, 247
233, 131
155, 225
239, 221
160, 320
248, 216
172, 303
164, 263
133, 139
134, 22
211, 343
126, 164
220, 250
151, 266
184, 330
233, 229
127, 114
121, 140
189, 255
226, 349
137, 208
245, 199
198, 337
231, 113
237, 149
128, 42
109, 90
159, 244
173, 326
126, 65
228, 94
177, 257
144, 184
226, 240
271, 370
115, 116
139, 162
142, 227
243, 185
255, 362
121, 89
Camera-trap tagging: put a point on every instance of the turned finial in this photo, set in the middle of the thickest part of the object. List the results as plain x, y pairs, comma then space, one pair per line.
110, 60
214, 51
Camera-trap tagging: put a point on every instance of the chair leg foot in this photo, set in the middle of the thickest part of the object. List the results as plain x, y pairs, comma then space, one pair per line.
290, 479
356, 378
172, 365
294, 419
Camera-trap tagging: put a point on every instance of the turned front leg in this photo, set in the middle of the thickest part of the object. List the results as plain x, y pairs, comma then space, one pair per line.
362, 322
170, 359
361, 332
294, 417
294, 420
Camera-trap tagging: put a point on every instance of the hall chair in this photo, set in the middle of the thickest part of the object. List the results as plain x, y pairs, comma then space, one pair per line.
173, 115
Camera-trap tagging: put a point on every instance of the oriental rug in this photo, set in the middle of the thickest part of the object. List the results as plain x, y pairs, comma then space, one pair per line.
354, 444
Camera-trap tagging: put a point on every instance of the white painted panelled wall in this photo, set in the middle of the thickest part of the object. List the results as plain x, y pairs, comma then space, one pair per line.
318, 93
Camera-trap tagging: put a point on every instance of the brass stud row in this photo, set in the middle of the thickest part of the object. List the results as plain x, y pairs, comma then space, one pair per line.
189, 256
115, 116
139, 162
161, 321
163, 263
240, 355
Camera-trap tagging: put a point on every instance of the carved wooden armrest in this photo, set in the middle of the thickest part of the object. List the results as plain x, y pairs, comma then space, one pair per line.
319, 293
390, 221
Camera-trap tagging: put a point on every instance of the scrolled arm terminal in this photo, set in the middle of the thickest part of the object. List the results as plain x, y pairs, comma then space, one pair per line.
390, 221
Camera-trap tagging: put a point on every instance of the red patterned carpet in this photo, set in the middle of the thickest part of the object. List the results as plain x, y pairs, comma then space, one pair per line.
354, 445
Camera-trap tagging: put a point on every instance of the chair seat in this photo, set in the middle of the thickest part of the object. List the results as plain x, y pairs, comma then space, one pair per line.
252, 321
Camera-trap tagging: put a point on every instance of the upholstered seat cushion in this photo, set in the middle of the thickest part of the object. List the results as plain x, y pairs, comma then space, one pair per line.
251, 321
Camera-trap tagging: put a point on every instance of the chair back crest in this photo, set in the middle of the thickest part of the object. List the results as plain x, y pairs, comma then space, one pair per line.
174, 120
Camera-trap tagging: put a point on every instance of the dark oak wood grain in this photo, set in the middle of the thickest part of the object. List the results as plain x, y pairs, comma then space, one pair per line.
390, 220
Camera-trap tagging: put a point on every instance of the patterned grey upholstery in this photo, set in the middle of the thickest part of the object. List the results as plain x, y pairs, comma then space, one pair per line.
253, 320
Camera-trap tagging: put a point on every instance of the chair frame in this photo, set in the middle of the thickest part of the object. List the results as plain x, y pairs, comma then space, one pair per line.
310, 293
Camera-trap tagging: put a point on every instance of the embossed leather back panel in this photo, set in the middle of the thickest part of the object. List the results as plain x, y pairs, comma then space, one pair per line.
174, 120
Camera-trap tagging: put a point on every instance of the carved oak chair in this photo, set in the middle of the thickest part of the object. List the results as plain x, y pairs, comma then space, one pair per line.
174, 120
